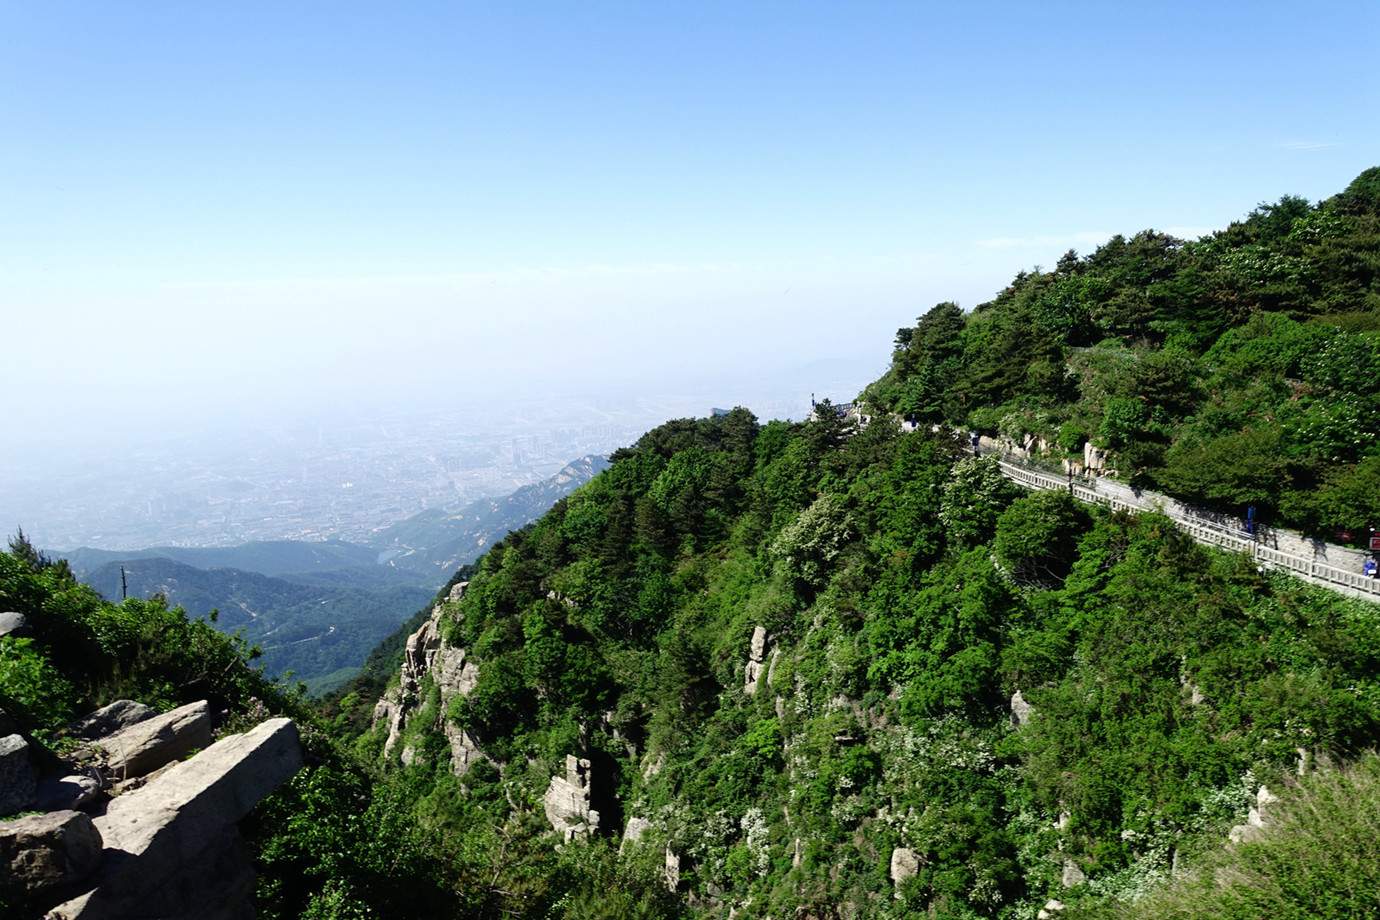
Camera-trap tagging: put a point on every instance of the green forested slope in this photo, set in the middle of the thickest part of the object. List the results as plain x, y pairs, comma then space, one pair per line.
310, 630
1233, 370
267, 557
909, 594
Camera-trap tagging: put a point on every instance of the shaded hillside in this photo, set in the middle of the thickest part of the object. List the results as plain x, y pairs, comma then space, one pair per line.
331, 603
435, 543
267, 557
311, 630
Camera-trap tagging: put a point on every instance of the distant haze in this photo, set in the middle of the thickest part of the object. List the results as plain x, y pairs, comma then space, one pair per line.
351, 471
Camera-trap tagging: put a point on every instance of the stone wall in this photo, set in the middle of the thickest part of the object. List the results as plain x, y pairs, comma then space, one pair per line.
129, 831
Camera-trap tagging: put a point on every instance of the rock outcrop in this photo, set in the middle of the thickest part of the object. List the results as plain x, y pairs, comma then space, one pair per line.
1094, 459
905, 863
1021, 711
171, 848
635, 829
46, 853
757, 660
18, 777
1256, 820
567, 801
427, 654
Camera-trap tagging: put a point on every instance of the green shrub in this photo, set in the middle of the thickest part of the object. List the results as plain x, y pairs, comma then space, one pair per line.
31, 689
1318, 858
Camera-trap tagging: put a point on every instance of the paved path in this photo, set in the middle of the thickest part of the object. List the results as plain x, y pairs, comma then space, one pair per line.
1201, 526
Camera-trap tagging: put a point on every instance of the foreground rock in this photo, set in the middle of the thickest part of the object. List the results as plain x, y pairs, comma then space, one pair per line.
171, 848
108, 720
47, 853
18, 778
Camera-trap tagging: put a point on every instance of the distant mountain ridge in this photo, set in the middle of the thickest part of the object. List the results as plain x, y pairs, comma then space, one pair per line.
311, 630
437, 542
267, 557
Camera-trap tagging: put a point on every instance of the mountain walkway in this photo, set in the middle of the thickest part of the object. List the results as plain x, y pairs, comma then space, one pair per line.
1324, 564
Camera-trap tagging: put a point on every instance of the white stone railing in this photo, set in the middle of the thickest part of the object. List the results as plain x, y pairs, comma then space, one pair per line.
1198, 525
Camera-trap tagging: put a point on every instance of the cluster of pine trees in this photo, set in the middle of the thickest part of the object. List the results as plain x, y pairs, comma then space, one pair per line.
1235, 370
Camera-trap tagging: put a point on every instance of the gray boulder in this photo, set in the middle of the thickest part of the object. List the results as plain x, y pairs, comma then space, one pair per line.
145, 746
18, 778
757, 657
14, 624
1021, 711
905, 863
635, 829
107, 720
43, 854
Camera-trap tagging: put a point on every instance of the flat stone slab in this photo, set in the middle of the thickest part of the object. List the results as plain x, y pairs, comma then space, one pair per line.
145, 746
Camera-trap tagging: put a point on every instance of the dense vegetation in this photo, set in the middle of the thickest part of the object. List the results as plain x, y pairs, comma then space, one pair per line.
1239, 369
86, 652
1168, 680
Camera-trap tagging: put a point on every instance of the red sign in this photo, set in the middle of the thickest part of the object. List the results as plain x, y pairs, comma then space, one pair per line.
1375, 541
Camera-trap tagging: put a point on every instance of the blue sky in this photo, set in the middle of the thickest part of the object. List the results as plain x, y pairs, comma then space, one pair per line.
210, 206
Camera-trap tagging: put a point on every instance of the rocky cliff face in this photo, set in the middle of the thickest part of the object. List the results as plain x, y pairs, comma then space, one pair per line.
429, 661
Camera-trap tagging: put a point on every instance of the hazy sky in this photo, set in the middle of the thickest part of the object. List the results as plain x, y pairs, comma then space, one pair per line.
208, 205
